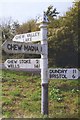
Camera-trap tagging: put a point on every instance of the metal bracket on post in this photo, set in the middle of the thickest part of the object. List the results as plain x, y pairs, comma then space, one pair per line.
43, 20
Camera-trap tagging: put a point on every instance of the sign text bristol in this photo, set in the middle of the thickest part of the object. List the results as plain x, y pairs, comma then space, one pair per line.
63, 73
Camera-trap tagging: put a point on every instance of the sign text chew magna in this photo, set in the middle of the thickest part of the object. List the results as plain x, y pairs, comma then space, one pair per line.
22, 63
63, 73
18, 47
28, 37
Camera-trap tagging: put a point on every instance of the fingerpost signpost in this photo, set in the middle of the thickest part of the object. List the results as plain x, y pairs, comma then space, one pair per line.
22, 44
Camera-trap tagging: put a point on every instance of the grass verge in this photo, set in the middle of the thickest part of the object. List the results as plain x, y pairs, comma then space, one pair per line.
21, 96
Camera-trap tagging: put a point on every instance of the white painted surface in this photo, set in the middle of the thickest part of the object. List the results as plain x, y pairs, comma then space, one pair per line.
44, 65
63, 73
18, 47
28, 37
44, 57
22, 63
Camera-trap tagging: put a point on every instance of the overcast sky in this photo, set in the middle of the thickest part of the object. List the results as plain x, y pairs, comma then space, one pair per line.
23, 10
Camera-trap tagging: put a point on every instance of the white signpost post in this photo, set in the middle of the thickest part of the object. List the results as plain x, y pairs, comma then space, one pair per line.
44, 64
22, 63
18, 47
63, 73
28, 37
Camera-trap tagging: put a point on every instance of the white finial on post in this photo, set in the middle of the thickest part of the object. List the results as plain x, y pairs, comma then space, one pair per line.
43, 20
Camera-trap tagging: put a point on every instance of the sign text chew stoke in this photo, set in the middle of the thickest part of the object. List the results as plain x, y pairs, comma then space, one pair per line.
22, 63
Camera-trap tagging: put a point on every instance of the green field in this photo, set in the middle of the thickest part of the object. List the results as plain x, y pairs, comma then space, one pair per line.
21, 96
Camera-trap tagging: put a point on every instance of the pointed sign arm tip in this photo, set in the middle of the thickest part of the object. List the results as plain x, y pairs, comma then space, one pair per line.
3, 43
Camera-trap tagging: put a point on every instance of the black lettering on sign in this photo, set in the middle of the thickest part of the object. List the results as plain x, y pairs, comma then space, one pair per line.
74, 71
64, 76
38, 33
13, 66
37, 61
23, 36
57, 71
18, 37
73, 76
25, 47
31, 34
19, 47
31, 48
36, 66
25, 61
14, 47
28, 35
15, 61
11, 61
57, 76
29, 61
9, 66
9, 46
52, 75
28, 39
